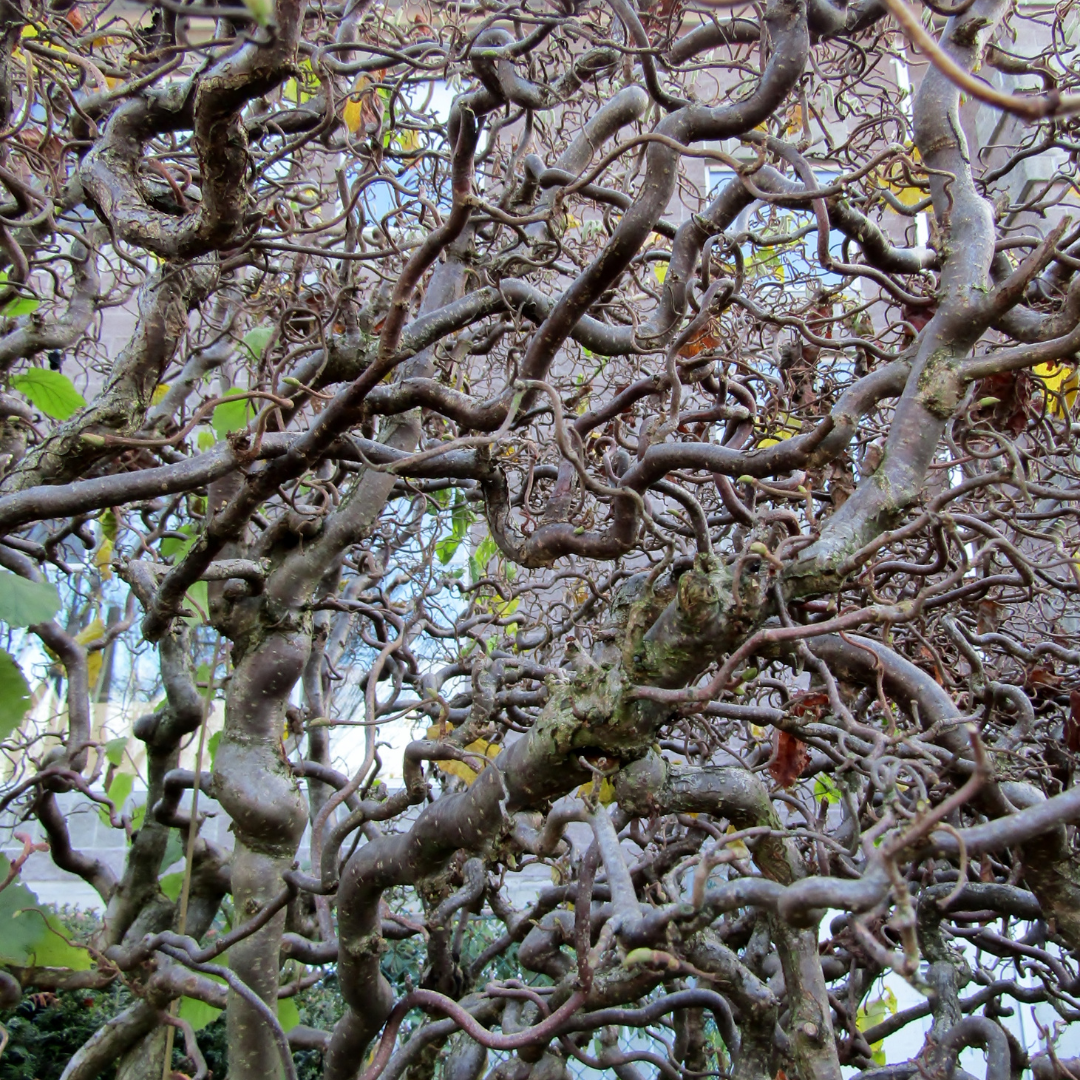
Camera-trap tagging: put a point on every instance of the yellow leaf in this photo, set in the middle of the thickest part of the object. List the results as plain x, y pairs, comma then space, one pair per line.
409, 140
660, 270
461, 769
95, 631
159, 392
103, 559
506, 609
737, 847
93, 668
787, 428
353, 113
295, 91
1060, 381
909, 196
607, 791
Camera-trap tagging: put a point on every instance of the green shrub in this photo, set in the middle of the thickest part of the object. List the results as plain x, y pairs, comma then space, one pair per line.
46, 1029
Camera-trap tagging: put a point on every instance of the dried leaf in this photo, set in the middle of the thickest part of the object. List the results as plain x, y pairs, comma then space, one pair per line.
1072, 723
989, 617
1043, 677
704, 339
809, 703
928, 662
1005, 399
791, 757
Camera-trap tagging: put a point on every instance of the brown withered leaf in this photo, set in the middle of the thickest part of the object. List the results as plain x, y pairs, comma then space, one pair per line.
1041, 678
919, 316
1072, 723
791, 757
989, 617
809, 703
705, 338
1013, 408
928, 662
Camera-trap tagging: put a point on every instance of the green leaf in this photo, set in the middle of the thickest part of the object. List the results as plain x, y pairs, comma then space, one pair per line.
22, 930
174, 850
173, 545
114, 750
52, 950
446, 548
460, 520
197, 598
171, 884
256, 340
14, 695
232, 415
486, 550
825, 789
462, 517
873, 1013
109, 524
50, 391
206, 440
287, 1014
197, 1013
262, 11
26, 603
118, 792
212, 745
31, 936
21, 305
